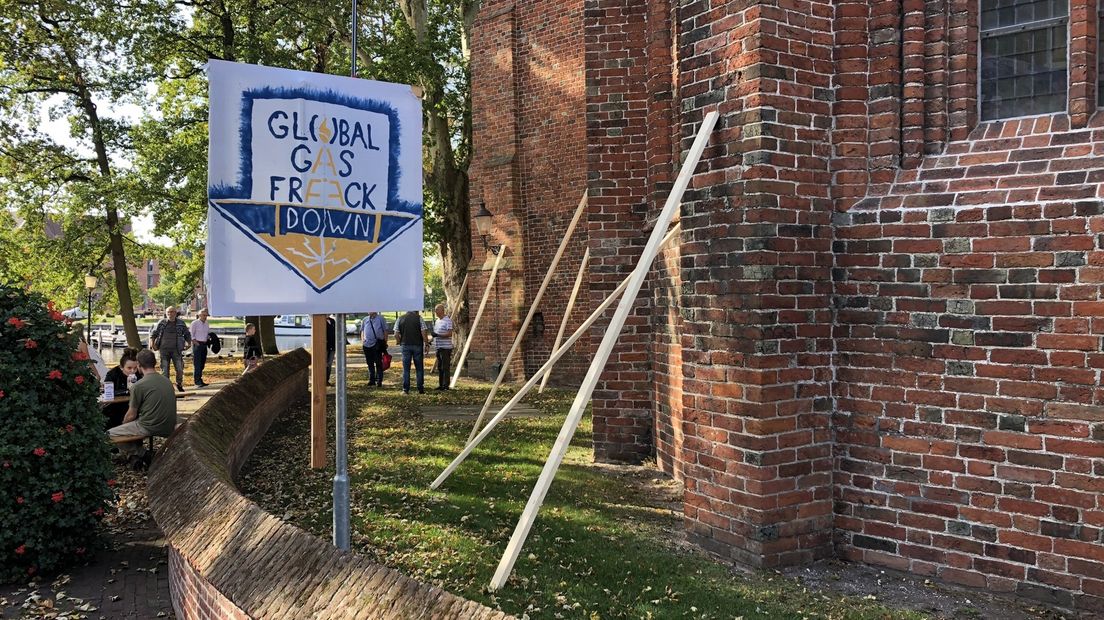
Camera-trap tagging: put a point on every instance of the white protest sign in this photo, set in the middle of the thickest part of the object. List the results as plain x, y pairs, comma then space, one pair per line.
314, 193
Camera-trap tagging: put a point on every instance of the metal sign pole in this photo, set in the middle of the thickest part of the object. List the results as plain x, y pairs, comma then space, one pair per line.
341, 475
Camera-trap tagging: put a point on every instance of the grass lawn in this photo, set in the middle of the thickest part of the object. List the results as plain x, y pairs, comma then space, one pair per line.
603, 545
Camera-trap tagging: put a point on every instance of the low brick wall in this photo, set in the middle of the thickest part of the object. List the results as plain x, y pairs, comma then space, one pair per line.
230, 559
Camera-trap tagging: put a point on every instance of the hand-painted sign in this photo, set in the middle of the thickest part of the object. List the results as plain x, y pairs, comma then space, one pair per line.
314, 192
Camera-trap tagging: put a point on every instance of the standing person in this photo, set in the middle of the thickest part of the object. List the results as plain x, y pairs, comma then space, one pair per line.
251, 350
170, 337
331, 346
410, 332
152, 412
200, 332
442, 342
373, 334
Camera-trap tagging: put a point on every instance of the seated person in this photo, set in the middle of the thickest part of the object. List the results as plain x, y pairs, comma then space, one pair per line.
119, 376
152, 412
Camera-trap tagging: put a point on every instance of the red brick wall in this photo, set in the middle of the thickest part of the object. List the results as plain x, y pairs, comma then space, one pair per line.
617, 112
883, 319
552, 135
756, 282
970, 416
529, 163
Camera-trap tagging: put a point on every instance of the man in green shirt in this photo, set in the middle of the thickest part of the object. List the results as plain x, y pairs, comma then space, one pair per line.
152, 412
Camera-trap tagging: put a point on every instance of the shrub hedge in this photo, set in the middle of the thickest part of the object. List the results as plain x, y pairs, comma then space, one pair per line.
55, 469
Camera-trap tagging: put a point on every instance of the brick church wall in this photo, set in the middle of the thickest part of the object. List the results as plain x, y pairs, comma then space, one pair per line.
756, 281
968, 415
879, 334
530, 167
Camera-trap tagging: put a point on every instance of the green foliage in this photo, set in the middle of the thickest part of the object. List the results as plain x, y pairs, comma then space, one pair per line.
54, 465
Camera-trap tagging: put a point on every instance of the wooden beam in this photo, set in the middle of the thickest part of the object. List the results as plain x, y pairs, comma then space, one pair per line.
478, 314
613, 332
528, 317
318, 391
537, 376
567, 313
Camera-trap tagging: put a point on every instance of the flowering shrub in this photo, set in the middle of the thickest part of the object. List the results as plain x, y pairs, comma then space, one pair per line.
54, 461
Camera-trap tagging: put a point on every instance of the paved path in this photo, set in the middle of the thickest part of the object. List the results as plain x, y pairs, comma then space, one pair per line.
128, 581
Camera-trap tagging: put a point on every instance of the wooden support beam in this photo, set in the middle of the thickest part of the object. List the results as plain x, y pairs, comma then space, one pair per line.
478, 314
537, 376
613, 332
318, 391
528, 317
567, 313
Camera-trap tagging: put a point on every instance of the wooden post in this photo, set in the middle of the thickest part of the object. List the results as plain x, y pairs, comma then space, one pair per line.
318, 391
613, 332
567, 313
544, 371
478, 314
528, 317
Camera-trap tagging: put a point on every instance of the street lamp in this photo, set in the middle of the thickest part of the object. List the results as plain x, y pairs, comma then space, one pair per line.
483, 221
90, 284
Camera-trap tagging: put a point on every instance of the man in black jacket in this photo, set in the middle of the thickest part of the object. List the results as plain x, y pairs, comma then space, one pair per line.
411, 333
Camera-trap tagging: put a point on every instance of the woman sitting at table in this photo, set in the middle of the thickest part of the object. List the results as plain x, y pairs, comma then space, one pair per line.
120, 376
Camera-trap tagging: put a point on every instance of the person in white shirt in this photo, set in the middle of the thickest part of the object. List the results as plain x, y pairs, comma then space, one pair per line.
200, 332
373, 337
442, 342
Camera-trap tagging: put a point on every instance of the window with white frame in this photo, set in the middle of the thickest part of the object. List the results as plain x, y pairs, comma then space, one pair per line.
1024, 45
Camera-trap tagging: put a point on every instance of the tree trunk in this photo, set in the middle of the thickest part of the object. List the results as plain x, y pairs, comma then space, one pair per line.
114, 231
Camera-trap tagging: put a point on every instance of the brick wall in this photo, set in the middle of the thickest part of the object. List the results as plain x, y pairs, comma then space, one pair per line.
530, 164
617, 158
756, 282
969, 409
230, 559
880, 334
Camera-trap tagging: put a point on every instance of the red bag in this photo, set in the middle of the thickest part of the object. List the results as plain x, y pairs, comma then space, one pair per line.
386, 360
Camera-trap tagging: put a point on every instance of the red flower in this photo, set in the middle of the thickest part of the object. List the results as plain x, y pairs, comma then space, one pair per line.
7, 464
30, 570
57, 497
111, 483
57, 316
21, 549
54, 374
69, 428
80, 356
30, 344
19, 499
79, 379
1, 393
40, 451
49, 304
98, 512
16, 323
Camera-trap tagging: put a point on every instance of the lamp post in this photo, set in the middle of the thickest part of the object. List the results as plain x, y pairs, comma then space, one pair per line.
90, 284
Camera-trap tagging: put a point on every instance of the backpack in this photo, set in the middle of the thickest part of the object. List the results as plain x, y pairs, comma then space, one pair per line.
214, 343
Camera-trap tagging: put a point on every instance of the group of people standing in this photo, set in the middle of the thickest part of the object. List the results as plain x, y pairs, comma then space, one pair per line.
414, 337
171, 336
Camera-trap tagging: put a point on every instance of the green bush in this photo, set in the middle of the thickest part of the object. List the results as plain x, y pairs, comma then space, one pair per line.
54, 461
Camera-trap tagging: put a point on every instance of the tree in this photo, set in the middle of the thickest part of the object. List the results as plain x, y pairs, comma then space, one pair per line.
420, 42
73, 58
